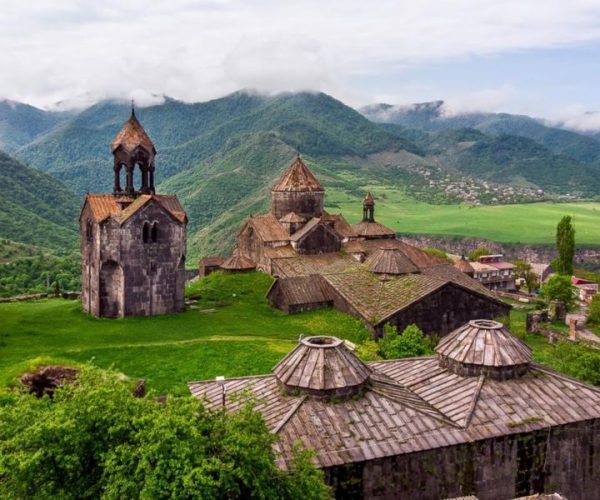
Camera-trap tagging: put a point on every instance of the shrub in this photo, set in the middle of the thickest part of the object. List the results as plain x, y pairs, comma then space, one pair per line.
94, 440
411, 343
559, 288
594, 311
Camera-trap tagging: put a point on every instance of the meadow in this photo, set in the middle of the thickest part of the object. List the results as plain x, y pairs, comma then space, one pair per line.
229, 330
524, 223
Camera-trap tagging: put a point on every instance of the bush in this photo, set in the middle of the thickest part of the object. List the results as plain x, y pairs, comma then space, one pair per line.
559, 288
594, 311
95, 440
411, 343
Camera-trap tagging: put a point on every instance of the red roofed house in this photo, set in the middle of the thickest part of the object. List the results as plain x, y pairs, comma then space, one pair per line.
133, 241
586, 289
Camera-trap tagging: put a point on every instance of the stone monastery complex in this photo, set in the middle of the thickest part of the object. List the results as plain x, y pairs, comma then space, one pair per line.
477, 418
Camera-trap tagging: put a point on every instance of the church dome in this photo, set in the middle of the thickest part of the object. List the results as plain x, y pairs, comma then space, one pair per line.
297, 177
323, 367
132, 135
390, 261
484, 346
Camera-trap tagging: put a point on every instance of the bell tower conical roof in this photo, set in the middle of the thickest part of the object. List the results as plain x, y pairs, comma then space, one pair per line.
132, 135
298, 177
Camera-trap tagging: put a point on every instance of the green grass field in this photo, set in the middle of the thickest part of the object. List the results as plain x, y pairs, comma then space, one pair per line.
233, 332
525, 223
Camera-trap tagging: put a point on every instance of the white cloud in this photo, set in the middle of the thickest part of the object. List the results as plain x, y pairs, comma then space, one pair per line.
482, 101
576, 117
54, 50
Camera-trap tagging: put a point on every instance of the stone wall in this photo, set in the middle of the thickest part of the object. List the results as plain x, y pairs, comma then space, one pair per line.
561, 459
124, 276
321, 239
305, 203
445, 310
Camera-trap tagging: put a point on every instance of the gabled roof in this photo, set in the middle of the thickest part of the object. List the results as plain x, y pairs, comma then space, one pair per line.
211, 261
410, 405
132, 135
268, 228
297, 177
340, 224
238, 263
303, 290
104, 206
306, 229
464, 265
292, 218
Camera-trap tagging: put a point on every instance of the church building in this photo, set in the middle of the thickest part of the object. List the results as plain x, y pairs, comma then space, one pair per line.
133, 241
320, 260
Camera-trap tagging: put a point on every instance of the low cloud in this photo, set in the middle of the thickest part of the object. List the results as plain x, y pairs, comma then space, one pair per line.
576, 117
483, 101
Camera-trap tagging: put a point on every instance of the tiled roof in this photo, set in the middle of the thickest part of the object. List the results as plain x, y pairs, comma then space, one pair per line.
292, 218
464, 265
340, 224
238, 263
411, 405
486, 343
390, 261
305, 265
268, 228
104, 206
132, 135
373, 229
322, 366
304, 290
297, 177
211, 261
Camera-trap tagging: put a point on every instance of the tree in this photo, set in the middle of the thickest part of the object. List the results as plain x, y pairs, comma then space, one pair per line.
521, 268
411, 343
559, 288
531, 280
94, 440
565, 244
478, 252
594, 311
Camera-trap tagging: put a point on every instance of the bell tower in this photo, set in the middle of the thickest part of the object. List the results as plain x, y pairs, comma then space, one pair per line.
133, 151
368, 208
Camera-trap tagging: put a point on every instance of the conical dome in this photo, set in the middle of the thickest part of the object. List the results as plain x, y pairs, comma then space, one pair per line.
132, 135
484, 346
322, 367
297, 177
390, 261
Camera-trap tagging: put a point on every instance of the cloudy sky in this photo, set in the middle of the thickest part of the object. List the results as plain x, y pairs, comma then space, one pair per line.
539, 57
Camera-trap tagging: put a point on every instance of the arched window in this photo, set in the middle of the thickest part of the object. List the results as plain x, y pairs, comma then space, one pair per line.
146, 232
89, 231
155, 232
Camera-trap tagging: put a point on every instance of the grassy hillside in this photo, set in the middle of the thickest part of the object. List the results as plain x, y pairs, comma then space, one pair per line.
231, 331
36, 209
525, 223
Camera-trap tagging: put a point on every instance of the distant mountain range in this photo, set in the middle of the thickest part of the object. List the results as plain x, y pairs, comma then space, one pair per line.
222, 156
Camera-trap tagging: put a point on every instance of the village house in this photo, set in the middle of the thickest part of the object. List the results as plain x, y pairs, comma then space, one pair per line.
479, 418
320, 260
586, 289
133, 241
494, 273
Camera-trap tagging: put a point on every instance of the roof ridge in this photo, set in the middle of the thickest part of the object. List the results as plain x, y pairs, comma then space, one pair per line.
289, 414
473, 405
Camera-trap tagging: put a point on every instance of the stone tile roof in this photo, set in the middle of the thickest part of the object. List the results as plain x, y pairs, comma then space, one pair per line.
238, 263
305, 265
292, 218
281, 252
341, 225
304, 290
464, 265
132, 135
268, 228
103, 206
409, 405
297, 177
390, 261
486, 343
321, 366
211, 261
373, 229
306, 229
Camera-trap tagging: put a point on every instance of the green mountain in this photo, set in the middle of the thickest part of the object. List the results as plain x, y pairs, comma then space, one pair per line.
36, 208
20, 124
431, 116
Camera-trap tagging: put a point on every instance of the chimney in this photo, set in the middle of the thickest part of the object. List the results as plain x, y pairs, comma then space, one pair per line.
573, 329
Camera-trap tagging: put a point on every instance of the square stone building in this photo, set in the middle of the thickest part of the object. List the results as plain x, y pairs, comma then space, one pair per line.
480, 418
133, 241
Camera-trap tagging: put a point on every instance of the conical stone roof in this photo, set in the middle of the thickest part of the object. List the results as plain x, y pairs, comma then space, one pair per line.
484, 346
369, 201
322, 367
297, 177
132, 135
390, 261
